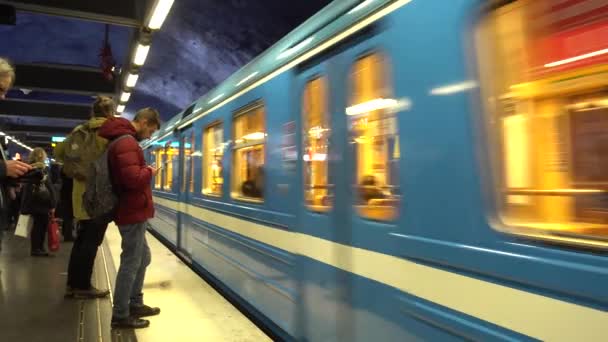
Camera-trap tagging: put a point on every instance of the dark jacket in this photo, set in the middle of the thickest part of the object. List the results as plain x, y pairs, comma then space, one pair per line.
130, 175
30, 205
4, 200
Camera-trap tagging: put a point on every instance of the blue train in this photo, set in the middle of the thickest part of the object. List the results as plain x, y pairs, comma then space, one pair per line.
404, 170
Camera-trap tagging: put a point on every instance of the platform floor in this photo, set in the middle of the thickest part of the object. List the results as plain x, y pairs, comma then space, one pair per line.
32, 307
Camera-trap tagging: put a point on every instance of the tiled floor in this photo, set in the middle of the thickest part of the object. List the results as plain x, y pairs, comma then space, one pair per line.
32, 307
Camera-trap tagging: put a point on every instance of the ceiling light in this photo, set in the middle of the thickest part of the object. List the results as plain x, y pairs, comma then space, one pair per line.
140, 54
125, 96
120, 108
132, 80
159, 14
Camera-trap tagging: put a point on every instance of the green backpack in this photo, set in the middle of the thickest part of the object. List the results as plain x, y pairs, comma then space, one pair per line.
81, 148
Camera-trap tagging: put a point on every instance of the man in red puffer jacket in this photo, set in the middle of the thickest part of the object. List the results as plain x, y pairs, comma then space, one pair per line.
131, 178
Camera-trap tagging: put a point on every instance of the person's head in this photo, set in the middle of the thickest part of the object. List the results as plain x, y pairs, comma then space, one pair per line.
146, 122
37, 156
7, 77
103, 107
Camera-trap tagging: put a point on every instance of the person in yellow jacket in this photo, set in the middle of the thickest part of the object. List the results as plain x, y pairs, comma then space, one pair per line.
76, 153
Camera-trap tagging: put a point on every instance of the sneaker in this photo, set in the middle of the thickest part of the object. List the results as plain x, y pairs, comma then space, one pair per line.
90, 293
143, 311
130, 323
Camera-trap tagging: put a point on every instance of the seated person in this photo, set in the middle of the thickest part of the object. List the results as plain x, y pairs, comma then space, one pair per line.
369, 189
254, 188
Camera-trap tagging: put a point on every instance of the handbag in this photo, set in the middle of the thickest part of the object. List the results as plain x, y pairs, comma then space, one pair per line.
24, 226
53, 238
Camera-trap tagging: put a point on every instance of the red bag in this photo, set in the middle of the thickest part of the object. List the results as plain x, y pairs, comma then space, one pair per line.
53, 234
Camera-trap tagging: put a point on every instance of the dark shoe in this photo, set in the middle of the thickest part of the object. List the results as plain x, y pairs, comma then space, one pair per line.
130, 323
143, 311
91, 293
40, 254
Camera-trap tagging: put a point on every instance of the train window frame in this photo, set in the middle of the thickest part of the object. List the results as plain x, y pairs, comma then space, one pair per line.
387, 89
205, 150
326, 118
250, 108
493, 116
158, 161
168, 184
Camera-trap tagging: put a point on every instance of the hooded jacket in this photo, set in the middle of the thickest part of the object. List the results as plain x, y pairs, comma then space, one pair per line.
130, 175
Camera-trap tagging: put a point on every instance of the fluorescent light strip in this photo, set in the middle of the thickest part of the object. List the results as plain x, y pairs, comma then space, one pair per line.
577, 58
322, 47
360, 6
141, 54
132, 80
247, 78
120, 108
125, 96
160, 14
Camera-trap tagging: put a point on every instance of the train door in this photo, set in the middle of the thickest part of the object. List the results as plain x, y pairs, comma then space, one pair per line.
186, 189
321, 286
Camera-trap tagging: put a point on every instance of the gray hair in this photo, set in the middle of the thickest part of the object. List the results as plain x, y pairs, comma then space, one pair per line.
6, 69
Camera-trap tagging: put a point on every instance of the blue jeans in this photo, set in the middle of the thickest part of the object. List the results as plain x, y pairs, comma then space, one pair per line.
134, 260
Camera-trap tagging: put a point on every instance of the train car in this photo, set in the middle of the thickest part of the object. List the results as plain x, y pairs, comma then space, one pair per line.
404, 170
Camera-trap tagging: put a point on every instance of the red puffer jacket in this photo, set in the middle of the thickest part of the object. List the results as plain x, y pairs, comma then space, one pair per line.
129, 173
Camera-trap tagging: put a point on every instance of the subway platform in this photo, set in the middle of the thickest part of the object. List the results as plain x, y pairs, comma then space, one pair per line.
33, 307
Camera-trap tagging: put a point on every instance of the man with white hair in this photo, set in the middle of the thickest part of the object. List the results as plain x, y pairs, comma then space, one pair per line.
8, 168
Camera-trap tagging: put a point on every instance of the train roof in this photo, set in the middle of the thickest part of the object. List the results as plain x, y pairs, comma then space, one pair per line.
297, 46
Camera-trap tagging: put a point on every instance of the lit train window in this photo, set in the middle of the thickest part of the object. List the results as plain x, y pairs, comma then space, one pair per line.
317, 190
188, 149
213, 147
248, 166
171, 159
543, 74
374, 136
191, 151
158, 157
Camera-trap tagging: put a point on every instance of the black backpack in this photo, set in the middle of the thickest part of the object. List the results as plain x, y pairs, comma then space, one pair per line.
100, 199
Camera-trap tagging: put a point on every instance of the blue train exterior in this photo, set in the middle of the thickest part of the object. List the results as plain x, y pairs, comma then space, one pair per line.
441, 271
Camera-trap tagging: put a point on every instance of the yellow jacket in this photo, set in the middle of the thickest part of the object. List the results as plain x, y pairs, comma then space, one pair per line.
79, 186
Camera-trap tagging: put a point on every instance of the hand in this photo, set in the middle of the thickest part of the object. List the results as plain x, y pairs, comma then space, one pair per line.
154, 170
16, 169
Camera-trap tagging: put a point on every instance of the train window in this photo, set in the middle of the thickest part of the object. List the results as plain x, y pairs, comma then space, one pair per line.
188, 149
317, 190
158, 157
543, 80
213, 144
374, 136
171, 159
248, 166
190, 156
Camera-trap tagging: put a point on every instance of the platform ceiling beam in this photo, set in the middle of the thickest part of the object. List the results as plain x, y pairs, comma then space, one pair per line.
63, 79
45, 109
116, 12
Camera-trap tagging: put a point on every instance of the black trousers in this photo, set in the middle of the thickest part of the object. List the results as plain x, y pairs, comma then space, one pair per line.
82, 259
39, 229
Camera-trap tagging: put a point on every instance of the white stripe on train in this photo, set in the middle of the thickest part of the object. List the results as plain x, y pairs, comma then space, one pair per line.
527, 313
